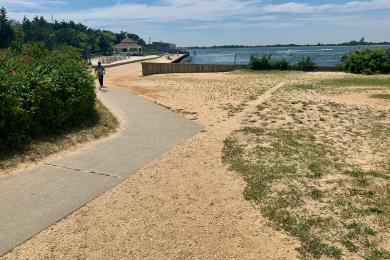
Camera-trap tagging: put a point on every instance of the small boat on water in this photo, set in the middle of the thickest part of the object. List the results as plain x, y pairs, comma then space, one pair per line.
290, 52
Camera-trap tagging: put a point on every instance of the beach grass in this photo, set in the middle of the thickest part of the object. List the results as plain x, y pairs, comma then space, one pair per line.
285, 181
381, 96
301, 173
366, 81
250, 71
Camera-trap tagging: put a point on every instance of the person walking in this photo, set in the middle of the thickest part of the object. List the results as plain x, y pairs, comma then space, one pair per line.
100, 71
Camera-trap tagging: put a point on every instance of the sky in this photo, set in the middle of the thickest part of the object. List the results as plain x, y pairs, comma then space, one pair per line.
222, 22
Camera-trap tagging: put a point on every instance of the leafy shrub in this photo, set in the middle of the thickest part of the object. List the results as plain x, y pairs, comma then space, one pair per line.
280, 64
265, 62
305, 64
260, 63
366, 61
42, 92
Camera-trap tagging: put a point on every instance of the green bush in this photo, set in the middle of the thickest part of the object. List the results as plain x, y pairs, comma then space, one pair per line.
42, 92
280, 64
366, 61
265, 62
260, 63
305, 64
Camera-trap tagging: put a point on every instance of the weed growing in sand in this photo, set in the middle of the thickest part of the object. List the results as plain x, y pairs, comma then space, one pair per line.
381, 96
233, 110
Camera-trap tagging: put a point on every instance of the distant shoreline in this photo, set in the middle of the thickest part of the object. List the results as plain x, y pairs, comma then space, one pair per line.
325, 55
358, 44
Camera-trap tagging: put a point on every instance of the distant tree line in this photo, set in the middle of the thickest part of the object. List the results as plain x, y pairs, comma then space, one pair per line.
54, 34
361, 42
367, 61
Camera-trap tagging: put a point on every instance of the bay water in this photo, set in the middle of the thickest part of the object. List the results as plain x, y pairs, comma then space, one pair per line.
321, 55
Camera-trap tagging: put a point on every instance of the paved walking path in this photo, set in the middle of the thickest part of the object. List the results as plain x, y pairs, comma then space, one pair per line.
32, 201
125, 61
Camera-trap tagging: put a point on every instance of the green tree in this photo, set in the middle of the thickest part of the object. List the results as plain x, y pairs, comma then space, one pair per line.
54, 34
122, 35
6, 32
105, 41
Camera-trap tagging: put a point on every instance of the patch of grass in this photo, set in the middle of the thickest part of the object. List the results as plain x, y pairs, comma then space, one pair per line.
103, 124
249, 71
284, 170
378, 253
233, 110
316, 194
381, 96
357, 81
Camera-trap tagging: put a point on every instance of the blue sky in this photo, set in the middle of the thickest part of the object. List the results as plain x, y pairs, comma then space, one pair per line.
218, 22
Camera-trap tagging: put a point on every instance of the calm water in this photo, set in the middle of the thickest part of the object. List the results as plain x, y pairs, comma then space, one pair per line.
326, 56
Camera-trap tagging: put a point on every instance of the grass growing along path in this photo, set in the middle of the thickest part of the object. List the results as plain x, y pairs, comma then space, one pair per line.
100, 126
381, 96
318, 170
366, 81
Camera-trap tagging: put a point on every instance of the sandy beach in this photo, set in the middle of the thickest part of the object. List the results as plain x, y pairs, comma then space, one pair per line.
187, 204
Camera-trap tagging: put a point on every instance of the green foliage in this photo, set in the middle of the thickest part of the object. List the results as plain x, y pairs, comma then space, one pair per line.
381, 96
6, 32
150, 52
366, 61
260, 63
42, 92
280, 64
365, 81
305, 64
265, 62
285, 171
55, 34
104, 41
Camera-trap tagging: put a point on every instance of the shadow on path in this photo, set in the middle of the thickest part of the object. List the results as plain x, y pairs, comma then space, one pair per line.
34, 200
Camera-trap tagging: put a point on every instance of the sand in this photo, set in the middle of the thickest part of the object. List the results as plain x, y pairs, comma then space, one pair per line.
184, 205
187, 204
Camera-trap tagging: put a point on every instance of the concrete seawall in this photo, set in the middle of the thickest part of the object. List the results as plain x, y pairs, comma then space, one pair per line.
181, 58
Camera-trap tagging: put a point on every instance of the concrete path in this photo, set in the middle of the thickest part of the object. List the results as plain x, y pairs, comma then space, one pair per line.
32, 201
131, 59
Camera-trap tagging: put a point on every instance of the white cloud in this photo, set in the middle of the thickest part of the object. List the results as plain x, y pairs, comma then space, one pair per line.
353, 6
170, 10
31, 4
177, 10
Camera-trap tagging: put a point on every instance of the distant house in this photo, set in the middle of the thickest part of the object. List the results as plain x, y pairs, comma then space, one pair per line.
128, 46
163, 47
